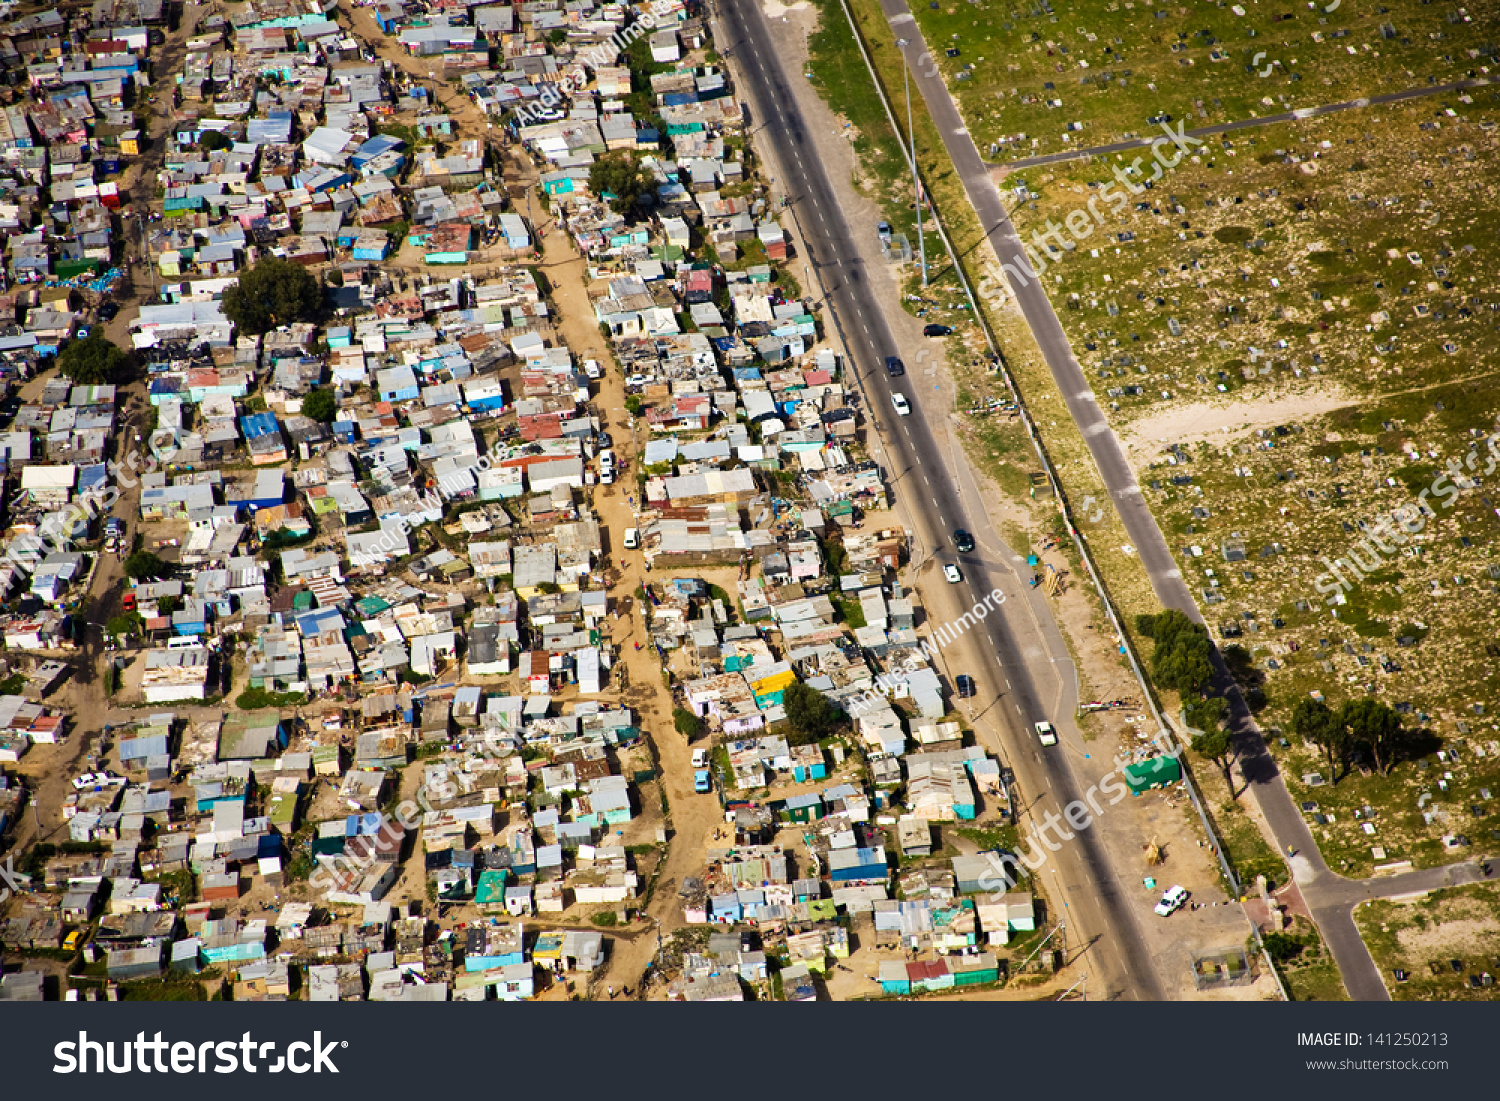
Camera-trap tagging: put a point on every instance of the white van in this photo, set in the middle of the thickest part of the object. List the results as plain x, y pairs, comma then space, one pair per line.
606, 467
632, 538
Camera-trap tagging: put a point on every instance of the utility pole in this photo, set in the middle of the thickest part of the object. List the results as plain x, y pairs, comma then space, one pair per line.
911, 149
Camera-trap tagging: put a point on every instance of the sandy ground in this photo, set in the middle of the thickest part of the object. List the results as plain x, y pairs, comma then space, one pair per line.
692, 816
1207, 420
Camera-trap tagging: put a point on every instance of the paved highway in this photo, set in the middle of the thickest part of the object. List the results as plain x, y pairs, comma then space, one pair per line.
1097, 905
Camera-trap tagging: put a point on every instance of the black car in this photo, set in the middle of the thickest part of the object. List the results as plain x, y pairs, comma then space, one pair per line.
109, 310
966, 687
963, 541
936, 330
894, 366
605, 441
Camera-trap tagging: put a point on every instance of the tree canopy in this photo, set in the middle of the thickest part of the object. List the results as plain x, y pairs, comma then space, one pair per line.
145, 566
809, 712
690, 726
620, 178
92, 361
1314, 721
1180, 656
320, 405
273, 292
1377, 727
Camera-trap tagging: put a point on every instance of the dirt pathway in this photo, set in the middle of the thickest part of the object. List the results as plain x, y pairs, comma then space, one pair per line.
691, 815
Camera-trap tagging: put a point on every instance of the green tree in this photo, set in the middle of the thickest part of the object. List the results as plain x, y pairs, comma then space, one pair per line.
690, 726
92, 361
1314, 721
321, 405
620, 178
123, 624
273, 292
1206, 714
1181, 651
1218, 747
212, 140
809, 712
145, 566
1282, 947
1375, 725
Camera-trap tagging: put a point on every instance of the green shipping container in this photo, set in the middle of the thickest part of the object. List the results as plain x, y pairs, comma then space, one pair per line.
1145, 775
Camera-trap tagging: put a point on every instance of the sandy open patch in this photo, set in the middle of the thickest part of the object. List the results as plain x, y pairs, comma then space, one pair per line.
1205, 420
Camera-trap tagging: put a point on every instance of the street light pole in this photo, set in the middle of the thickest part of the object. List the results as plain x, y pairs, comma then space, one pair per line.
911, 149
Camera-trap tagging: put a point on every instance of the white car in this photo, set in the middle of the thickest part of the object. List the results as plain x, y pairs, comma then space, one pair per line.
700, 758
1171, 901
1047, 733
903, 407
632, 538
92, 781
606, 467
591, 368
950, 571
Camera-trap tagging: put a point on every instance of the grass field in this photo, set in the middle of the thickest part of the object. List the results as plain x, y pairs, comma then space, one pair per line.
1426, 938
1024, 71
1324, 291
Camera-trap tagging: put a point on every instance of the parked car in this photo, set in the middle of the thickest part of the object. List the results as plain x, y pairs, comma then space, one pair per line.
936, 330
606, 467
1046, 733
591, 368
966, 688
109, 311
950, 571
94, 781
632, 538
901, 404
894, 367
702, 782
963, 541
1171, 901
700, 757
883, 231
604, 440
